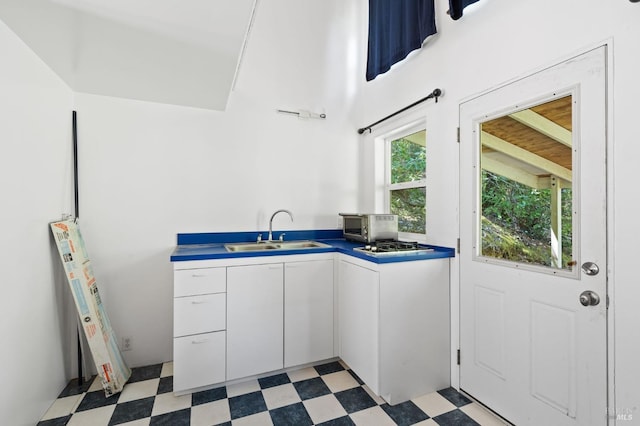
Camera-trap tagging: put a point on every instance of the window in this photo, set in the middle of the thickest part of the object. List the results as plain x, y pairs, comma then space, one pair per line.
406, 163
526, 186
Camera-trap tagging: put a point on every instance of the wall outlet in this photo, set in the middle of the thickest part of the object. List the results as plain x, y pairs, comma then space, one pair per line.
127, 343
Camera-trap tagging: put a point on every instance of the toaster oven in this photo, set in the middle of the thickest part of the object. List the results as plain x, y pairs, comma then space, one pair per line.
369, 227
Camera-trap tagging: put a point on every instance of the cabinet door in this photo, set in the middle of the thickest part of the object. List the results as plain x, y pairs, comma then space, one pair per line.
198, 360
308, 312
358, 302
254, 319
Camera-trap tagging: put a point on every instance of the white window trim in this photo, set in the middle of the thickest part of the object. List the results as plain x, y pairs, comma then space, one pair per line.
403, 130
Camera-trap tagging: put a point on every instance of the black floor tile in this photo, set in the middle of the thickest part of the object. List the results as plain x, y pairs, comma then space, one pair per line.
311, 388
291, 415
210, 395
340, 421
139, 374
132, 410
174, 418
272, 381
246, 405
75, 388
405, 414
328, 368
455, 418
97, 399
454, 397
165, 385
58, 421
355, 399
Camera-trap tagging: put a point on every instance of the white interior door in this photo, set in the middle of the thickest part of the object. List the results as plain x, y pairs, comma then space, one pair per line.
529, 348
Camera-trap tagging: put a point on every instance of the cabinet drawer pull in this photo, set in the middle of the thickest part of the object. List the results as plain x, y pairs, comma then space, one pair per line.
198, 342
198, 276
198, 302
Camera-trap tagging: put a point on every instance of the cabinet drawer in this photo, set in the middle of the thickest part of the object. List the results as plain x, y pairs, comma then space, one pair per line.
190, 282
199, 314
199, 360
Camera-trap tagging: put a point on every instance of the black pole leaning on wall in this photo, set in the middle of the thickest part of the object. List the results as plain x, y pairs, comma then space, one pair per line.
76, 212
433, 95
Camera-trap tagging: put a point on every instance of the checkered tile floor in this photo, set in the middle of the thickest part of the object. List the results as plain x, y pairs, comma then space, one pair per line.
328, 394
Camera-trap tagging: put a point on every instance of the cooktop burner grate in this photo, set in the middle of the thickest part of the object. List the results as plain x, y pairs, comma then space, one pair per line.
390, 247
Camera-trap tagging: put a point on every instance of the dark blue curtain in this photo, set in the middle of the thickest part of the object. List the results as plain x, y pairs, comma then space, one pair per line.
457, 6
396, 27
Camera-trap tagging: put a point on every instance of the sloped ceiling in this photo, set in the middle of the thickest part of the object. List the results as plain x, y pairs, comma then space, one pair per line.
183, 52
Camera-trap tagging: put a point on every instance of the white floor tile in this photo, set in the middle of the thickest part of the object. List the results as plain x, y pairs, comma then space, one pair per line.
141, 422
95, 417
279, 396
243, 388
167, 402
96, 385
433, 404
167, 369
482, 416
139, 390
304, 374
374, 416
260, 419
324, 408
211, 413
63, 407
340, 381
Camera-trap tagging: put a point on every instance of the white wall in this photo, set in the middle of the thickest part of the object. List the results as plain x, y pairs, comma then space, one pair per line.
35, 165
499, 40
149, 171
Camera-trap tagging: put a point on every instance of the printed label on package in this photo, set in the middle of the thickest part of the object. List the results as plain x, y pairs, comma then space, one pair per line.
102, 341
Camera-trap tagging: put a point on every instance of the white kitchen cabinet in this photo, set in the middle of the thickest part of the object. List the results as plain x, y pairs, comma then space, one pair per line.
190, 282
254, 319
199, 314
394, 325
199, 321
308, 311
198, 360
358, 299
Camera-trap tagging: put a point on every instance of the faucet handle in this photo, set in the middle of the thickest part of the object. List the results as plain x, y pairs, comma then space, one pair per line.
259, 238
281, 237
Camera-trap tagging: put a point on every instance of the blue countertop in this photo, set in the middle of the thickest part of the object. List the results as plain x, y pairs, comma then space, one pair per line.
204, 246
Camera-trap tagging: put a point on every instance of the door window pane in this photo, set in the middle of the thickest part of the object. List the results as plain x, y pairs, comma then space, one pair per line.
526, 186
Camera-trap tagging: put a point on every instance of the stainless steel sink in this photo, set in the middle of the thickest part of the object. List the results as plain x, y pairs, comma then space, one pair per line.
275, 245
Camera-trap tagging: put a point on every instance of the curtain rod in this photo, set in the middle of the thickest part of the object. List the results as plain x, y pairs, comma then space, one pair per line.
435, 94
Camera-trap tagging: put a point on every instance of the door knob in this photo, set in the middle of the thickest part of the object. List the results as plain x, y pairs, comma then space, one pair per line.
590, 268
589, 298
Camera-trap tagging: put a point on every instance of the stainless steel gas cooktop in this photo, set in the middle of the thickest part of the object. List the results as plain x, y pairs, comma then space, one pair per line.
392, 247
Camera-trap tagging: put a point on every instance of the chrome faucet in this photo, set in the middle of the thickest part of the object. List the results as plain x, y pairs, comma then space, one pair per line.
271, 221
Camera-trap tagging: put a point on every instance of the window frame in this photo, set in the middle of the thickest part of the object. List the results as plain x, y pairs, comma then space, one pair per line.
400, 131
